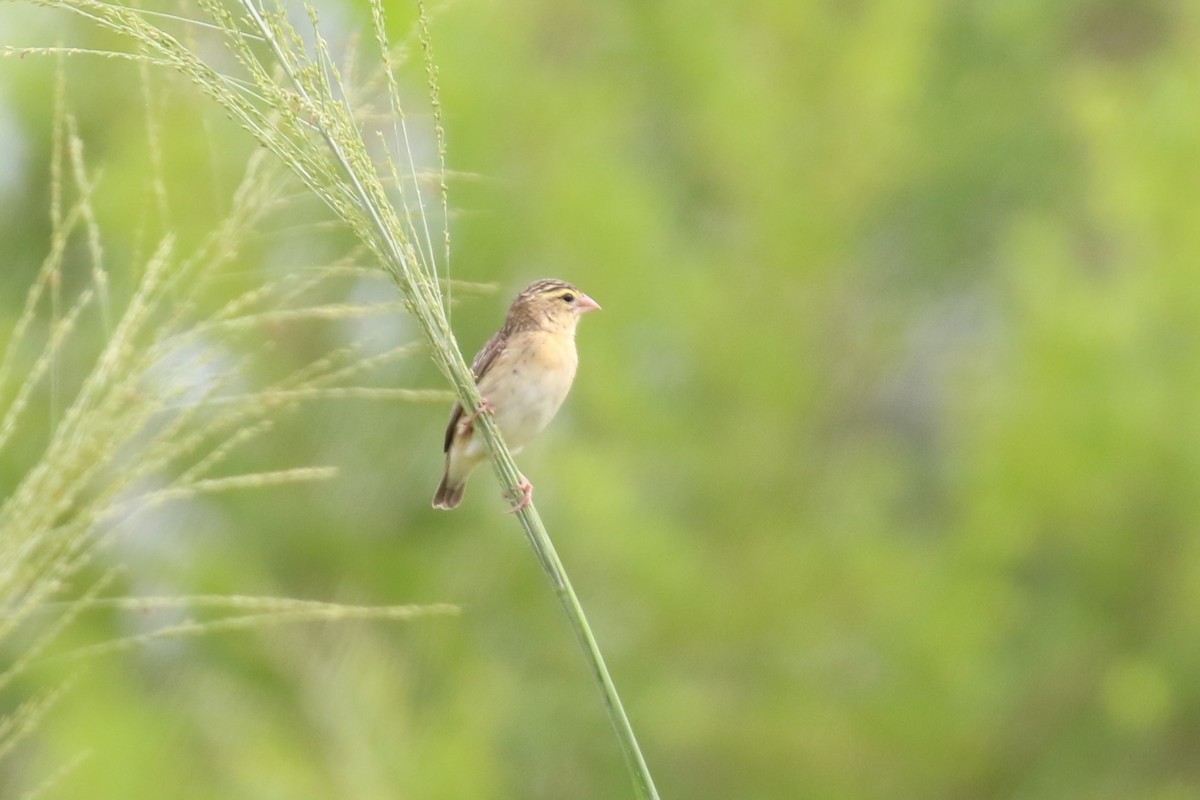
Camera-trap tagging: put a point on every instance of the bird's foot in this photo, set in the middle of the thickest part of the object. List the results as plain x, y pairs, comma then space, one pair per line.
526, 490
485, 407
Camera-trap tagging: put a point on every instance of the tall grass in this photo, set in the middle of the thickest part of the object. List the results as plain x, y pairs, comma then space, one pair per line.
288, 91
113, 409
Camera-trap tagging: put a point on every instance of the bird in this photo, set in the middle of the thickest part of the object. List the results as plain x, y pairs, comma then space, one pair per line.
523, 374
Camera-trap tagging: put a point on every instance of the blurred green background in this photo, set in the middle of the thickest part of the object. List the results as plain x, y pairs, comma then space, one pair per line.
880, 475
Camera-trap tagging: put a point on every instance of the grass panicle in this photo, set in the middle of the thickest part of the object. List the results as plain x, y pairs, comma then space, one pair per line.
249, 613
130, 426
289, 93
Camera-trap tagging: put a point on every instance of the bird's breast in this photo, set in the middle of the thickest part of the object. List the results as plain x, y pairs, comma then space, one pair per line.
528, 383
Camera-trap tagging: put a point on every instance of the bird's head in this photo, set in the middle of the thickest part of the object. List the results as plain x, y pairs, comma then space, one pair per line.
550, 304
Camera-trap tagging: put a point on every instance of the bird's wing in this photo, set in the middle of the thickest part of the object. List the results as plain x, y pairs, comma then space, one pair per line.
479, 367
487, 356
455, 415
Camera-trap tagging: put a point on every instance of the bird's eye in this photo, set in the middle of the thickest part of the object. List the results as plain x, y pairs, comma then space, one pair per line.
568, 298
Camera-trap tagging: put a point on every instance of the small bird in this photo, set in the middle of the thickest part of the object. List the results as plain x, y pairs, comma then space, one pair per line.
523, 373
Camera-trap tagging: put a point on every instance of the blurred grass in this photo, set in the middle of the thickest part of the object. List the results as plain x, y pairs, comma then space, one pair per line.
143, 404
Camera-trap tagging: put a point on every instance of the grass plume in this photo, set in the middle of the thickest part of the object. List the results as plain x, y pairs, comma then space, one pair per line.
290, 94
151, 410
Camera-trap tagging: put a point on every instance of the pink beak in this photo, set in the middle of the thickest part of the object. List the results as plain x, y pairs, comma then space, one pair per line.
585, 304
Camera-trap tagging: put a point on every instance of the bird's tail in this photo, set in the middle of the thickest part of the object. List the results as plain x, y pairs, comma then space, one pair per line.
448, 495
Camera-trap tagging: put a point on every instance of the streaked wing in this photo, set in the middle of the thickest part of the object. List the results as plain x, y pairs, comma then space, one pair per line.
487, 356
479, 367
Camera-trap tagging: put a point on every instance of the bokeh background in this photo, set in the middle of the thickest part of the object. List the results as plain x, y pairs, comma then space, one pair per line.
881, 476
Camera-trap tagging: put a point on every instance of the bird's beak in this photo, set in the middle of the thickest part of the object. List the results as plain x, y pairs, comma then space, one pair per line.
585, 304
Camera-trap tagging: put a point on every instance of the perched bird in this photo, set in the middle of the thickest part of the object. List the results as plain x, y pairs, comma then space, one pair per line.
523, 373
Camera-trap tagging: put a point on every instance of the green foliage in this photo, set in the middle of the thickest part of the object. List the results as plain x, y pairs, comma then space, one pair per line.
879, 474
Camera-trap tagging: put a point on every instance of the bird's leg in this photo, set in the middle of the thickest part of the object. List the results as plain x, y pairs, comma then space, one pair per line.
526, 490
485, 407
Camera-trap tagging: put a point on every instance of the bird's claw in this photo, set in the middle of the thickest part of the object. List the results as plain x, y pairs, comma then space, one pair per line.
526, 490
485, 407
